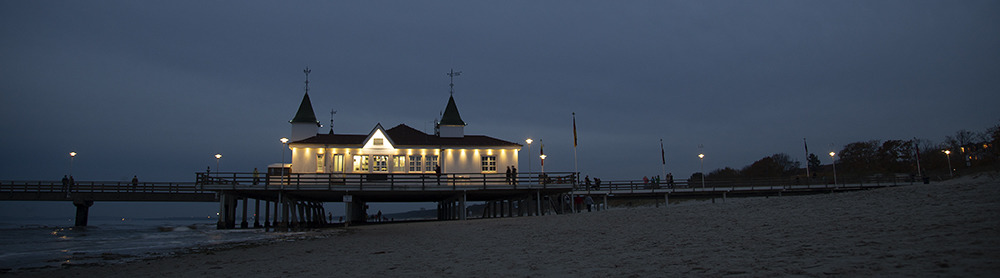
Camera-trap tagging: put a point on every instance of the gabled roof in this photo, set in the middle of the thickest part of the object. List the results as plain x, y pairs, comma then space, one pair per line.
305, 113
451, 116
405, 136
378, 128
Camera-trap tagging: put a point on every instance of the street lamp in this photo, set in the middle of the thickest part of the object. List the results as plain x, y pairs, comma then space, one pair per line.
217, 157
284, 141
529, 155
951, 172
543, 162
832, 158
702, 157
72, 155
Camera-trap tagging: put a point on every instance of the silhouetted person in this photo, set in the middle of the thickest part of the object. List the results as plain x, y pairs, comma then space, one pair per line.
508, 175
513, 175
65, 183
135, 182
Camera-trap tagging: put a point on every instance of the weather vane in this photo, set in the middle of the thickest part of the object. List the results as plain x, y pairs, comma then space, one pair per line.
307, 71
452, 75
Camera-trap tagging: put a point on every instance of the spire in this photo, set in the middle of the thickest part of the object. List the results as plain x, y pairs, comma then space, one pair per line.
451, 116
305, 113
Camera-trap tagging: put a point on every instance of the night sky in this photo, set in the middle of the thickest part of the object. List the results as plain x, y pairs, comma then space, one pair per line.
155, 89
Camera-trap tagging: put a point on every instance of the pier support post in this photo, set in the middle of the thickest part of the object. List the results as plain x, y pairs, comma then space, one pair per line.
666, 199
462, 209
243, 223
267, 214
82, 211
256, 213
538, 203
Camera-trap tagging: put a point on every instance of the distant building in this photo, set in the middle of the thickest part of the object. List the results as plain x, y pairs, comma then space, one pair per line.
398, 150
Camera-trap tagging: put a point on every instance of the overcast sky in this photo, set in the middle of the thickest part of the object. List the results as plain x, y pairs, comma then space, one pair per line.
154, 89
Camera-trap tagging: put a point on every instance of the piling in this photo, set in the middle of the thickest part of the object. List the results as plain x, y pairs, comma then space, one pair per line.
82, 211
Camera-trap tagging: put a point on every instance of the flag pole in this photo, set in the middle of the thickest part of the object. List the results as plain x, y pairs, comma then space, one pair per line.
575, 168
663, 159
808, 176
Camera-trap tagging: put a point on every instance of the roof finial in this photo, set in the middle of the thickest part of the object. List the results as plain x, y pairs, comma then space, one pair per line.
452, 74
307, 71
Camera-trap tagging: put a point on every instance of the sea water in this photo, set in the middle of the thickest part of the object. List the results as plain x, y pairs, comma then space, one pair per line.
36, 243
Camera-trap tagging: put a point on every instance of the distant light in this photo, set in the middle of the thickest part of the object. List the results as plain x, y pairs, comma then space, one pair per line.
833, 154
542, 156
73, 154
284, 140
218, 156
701, 155
947, 152
529, 141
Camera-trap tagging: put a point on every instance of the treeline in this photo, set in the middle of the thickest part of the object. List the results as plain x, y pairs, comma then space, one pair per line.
968, 150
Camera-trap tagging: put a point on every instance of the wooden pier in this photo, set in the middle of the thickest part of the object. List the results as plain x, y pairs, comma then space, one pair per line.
296, 200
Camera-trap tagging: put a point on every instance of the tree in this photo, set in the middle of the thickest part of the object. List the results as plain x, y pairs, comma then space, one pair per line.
859, 157
776, 165
813, 163
724, 173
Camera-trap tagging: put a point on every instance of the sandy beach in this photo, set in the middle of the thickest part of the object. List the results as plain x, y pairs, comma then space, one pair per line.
942, 229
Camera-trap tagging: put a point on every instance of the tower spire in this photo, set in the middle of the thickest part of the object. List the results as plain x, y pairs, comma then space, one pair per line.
307, 71
451, 85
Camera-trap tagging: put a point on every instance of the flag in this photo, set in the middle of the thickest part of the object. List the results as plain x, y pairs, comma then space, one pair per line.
807, 147
662, 156
574, 129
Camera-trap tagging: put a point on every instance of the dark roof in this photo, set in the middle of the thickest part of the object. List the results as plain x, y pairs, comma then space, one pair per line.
305, 113
403, 135
451, 116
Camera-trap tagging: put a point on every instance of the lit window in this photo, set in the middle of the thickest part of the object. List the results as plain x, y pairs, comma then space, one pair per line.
361, 163
489, 163
415, 163
320, 163
338, 163
377, 141
431, 162
398, 163
381, 163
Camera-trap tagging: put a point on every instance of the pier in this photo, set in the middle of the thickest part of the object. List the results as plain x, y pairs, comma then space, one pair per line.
294, 201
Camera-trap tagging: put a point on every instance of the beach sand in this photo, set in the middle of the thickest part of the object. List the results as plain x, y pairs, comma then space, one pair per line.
942, 229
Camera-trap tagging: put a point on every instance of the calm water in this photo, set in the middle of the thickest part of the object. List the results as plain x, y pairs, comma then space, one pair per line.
54, 242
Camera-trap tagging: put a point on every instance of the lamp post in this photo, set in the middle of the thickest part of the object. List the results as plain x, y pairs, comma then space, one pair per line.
543, 156
72, 155
529, 156
217, 157
834, 159
284, 142
951, 172
702, 157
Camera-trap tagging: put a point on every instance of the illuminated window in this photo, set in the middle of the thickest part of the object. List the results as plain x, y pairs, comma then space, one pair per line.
320, 163
489, 163
338, 163
381, 163
361, 163
430, 161
377, 141
415, 163
398, 163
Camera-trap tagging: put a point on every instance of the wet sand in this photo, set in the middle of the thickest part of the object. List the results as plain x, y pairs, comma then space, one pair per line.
943, 229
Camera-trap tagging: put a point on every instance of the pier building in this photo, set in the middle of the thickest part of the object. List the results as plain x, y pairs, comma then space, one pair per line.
398, 150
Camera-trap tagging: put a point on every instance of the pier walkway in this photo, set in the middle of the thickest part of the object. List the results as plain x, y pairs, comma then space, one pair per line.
296, 200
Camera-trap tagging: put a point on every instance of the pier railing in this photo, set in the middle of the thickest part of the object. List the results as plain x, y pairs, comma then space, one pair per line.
744, 184
382, 181
100, 187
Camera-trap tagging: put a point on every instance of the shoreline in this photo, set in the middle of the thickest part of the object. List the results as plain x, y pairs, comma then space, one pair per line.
949, 228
